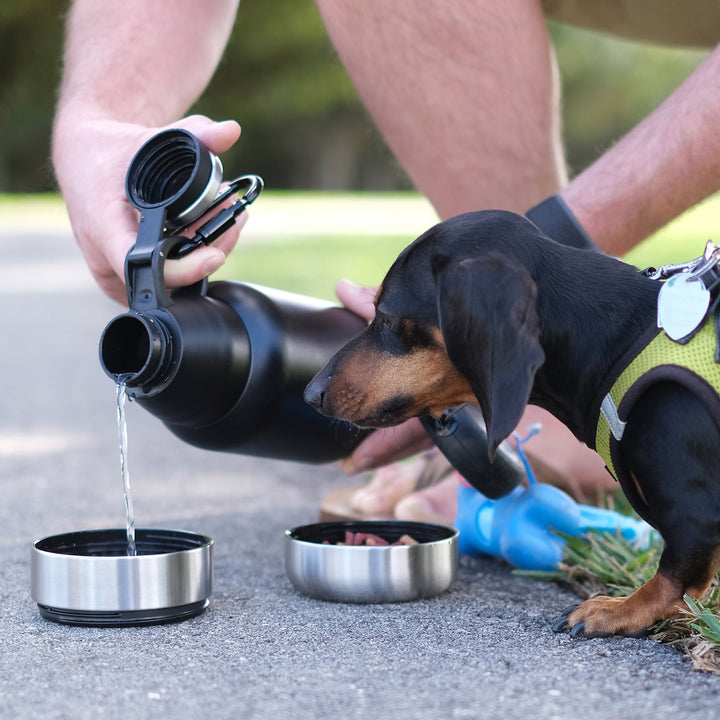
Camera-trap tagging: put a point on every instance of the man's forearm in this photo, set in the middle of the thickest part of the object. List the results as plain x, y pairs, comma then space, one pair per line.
665, 165
142, 61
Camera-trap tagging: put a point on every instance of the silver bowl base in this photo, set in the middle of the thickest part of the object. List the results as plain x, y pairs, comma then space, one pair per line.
88, 578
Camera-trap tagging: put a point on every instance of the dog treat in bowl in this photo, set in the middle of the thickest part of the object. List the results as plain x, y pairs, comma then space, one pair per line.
371, 540
371, 561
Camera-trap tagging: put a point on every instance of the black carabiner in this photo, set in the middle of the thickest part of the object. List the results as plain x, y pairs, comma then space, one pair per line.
222, 221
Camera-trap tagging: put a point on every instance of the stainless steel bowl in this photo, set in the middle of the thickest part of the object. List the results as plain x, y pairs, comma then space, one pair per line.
361, 574
87, 577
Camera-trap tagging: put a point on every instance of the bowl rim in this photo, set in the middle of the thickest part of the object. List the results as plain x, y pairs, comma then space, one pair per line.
59, 544
315, 533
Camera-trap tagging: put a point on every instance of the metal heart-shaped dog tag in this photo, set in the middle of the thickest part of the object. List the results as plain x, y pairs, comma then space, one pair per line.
683, 303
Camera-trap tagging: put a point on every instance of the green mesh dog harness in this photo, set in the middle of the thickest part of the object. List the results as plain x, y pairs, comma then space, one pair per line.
691, 364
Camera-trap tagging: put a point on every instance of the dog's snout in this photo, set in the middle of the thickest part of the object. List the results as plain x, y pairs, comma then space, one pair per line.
316, 391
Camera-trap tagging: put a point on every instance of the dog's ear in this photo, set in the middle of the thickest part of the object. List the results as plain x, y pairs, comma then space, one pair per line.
489, 322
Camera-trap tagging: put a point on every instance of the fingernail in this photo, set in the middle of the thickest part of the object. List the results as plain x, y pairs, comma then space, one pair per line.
347, 466
351, 466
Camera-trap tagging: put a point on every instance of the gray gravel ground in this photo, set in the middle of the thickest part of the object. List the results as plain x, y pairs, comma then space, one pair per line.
482, 650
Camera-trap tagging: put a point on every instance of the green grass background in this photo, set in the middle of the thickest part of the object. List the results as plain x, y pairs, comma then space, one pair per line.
308, 265
312, 266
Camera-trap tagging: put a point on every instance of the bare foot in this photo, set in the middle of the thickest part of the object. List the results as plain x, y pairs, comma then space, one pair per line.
389, 485
436, 504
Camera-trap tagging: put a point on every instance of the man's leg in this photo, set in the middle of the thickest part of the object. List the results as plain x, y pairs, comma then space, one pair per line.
465, 93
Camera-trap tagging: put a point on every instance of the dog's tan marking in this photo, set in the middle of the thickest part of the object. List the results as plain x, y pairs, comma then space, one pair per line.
658, 599
638, 487
367, 380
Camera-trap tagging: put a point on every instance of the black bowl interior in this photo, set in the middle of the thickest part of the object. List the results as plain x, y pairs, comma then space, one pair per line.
390, 530
113, 543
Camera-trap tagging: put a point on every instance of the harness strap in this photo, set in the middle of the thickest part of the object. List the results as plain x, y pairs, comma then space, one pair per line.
691, 364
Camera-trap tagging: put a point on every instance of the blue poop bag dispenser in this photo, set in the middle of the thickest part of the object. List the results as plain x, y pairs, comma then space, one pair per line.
522, 527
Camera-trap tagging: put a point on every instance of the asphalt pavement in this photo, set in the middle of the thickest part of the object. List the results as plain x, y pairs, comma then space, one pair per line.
484, 649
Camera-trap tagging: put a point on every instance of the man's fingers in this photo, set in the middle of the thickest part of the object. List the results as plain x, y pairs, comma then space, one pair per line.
360, 300
193, 267
217, 136
387, 445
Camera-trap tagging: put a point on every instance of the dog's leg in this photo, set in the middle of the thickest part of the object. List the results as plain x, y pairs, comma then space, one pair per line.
672, 449
658, 599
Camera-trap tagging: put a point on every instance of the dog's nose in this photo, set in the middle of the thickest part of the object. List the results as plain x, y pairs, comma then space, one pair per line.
315, 392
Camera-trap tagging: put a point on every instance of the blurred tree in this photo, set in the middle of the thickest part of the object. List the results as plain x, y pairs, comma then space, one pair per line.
609, 85
30, 57
303, 125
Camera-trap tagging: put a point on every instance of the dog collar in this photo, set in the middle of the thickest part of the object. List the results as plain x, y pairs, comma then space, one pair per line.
555, 219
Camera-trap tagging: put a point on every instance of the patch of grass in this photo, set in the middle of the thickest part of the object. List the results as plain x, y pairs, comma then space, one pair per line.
697, 632
312, 267
681, 240
607, 564
41, 210
705, 621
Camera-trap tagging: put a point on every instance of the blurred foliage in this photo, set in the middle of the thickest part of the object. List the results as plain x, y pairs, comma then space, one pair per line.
609, 85
303, 124
30, 41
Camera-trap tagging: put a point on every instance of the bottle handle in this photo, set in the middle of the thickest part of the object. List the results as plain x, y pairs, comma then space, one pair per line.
145, 264
175, 181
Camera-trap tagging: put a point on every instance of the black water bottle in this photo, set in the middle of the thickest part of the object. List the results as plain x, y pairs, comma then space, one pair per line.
222, 364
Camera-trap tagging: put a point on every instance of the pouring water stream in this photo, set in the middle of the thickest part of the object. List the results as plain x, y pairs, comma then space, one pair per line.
122, 441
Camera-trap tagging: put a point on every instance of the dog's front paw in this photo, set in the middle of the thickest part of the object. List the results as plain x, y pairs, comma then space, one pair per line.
603, 616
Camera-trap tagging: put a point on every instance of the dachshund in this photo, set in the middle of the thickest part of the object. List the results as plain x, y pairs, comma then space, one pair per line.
484, 308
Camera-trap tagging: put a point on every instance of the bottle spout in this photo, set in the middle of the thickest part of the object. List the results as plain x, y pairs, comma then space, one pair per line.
135, 348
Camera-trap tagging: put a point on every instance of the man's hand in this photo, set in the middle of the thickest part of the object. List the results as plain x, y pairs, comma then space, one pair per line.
91, 161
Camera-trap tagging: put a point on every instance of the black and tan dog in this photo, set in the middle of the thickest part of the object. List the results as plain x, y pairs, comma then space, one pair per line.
484, 308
